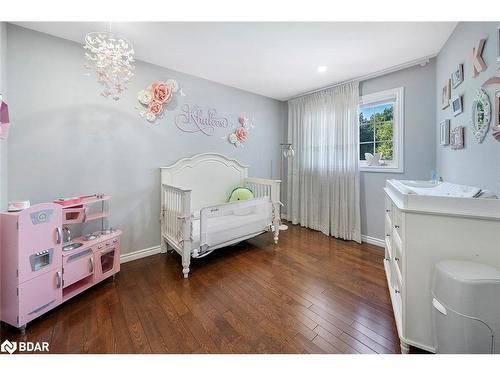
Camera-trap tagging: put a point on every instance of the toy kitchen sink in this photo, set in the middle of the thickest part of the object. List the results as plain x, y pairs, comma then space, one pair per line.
38, 271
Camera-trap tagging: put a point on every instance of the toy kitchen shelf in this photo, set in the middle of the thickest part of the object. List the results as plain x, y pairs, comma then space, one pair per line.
75, 210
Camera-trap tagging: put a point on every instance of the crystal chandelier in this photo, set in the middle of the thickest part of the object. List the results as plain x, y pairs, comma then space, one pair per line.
112, 58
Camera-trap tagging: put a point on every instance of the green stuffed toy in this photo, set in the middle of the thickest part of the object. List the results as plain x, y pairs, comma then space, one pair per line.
240, 194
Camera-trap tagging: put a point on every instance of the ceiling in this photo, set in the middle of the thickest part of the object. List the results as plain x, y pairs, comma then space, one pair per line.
274, 59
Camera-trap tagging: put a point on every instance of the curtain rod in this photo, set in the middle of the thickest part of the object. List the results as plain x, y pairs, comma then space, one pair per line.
421, 61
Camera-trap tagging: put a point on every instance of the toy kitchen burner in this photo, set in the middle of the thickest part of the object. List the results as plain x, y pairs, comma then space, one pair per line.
39, 271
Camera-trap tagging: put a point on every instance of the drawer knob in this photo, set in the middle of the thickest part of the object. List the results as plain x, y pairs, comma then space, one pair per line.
396, 226
387, 210
396, 290
387, 235
396, 259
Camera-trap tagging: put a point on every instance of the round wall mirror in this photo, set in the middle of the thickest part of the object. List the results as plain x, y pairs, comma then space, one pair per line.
481, 115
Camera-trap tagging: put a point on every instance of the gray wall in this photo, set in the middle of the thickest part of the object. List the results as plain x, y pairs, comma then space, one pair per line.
67, 140
419, 139
476, 164
3, 90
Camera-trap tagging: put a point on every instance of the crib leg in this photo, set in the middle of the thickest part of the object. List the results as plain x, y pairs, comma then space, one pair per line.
186, 261
163, 246
276, 226
276, 235
276, 222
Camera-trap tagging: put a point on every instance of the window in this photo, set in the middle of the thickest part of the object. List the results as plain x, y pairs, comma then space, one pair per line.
381, 130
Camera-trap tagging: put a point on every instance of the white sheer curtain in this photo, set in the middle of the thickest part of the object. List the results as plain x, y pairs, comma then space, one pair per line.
323, 176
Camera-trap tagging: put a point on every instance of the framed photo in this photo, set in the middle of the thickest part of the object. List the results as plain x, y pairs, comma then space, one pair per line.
498, 45
497, 108
444, 133
446, 94
457, 138
457, 77
456, 105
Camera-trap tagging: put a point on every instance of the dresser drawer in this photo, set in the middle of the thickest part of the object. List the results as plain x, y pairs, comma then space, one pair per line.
396, 294
388, 207
397, 220
397, 251
397, 289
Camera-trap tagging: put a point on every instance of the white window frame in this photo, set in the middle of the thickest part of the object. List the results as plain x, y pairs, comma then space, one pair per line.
397, 96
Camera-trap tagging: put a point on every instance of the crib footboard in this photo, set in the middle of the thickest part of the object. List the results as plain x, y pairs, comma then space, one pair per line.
263, 187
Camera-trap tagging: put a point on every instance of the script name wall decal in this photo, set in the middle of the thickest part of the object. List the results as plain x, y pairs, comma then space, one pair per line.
191, 119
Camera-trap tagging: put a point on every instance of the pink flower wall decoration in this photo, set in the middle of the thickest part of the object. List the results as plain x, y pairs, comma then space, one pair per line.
155, 107
241, 134
155, 98
161, 92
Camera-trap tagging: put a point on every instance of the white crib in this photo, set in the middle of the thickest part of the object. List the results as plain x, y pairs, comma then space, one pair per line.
195, 216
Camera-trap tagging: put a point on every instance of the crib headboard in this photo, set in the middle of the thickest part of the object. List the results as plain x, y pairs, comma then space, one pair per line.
210, 176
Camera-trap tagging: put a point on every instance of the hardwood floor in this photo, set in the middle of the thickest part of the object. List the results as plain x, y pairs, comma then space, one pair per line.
309, 294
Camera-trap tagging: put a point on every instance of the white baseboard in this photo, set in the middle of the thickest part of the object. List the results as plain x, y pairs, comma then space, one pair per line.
364, 238
124, 258
372, 240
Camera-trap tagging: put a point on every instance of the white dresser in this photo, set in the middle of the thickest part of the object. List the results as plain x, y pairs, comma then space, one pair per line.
421, 230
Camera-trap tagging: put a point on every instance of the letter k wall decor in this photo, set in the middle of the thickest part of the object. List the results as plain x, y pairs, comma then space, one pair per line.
478, 64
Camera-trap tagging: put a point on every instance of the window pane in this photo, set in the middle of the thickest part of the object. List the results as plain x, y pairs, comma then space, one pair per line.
386, 149
366, 131
366, 114
365, 147
376, 129
383, 112
383, 131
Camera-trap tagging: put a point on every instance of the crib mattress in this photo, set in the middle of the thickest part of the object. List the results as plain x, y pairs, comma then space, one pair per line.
225, 228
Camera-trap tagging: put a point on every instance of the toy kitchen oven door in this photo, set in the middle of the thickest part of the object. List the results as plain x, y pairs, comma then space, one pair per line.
107, 259
31, 267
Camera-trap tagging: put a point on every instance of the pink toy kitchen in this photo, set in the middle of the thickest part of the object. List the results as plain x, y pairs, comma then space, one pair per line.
42, 266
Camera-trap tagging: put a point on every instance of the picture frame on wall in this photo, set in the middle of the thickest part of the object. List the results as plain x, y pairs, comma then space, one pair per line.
457, 77
495, 127
444, 133
457, 138
497, 108
446, 94
456, 105
498, 45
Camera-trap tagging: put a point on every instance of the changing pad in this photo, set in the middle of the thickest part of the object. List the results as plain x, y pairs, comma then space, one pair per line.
446, 189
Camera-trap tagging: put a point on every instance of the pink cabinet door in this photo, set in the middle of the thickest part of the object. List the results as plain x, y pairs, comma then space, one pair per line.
107, 261
40, 240
77, 266
39, 295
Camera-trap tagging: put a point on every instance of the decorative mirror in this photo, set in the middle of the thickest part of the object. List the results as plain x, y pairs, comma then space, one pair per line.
481, 115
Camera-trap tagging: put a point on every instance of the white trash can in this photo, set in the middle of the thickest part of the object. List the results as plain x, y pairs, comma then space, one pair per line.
466, 307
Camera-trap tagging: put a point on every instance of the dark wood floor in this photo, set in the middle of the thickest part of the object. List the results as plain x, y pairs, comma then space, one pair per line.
309, 294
